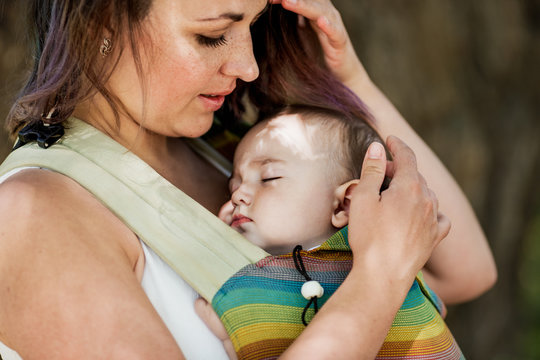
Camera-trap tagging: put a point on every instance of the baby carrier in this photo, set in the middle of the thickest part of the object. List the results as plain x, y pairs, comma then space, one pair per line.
257, 296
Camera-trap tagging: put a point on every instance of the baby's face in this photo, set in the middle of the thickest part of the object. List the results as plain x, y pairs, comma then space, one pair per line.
281, 193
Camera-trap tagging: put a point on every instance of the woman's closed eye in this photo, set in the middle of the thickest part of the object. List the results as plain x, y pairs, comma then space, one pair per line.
211, 41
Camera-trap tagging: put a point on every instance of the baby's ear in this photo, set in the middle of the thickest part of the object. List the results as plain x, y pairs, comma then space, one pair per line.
342, 202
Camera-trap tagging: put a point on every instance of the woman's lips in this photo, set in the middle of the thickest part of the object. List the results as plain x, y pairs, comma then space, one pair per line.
239, 220
212, 102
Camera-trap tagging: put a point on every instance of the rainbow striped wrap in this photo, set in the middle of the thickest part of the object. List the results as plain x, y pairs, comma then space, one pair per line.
261, 307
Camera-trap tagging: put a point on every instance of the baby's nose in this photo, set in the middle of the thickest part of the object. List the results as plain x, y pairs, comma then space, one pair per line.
241, 196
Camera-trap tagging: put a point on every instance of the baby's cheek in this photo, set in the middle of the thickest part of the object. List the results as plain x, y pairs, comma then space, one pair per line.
226, 211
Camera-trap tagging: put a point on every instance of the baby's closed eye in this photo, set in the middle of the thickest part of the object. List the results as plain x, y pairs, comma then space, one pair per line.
270, 178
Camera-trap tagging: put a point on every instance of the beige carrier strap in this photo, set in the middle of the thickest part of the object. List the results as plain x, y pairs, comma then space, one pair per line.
203, 250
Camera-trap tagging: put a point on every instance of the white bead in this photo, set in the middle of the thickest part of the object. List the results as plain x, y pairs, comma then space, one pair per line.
311, 289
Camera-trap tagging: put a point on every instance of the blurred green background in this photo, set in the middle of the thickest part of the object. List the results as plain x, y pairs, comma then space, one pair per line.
466, 74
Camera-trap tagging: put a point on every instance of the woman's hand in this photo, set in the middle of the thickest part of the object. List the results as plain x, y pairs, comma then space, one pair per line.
339, 53
392, 234
401, 226
207, 314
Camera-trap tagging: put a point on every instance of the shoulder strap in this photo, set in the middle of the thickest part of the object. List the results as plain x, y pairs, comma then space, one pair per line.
197, 245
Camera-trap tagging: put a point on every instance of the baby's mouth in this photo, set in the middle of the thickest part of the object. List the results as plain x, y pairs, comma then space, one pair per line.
238, 220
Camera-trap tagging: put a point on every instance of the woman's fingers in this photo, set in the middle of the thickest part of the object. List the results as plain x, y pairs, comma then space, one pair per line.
404, 160
324, 18
404, 219
311, 9
373, 171
390, 168
326, 21
207, 314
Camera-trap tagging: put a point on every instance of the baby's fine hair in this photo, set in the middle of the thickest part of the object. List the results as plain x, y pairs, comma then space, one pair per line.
343, 138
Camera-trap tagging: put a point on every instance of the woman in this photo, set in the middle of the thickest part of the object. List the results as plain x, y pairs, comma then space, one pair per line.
150, 74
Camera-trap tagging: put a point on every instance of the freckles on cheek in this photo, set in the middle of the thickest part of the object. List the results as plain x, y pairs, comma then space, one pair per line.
194, 72
176, 80
177, 59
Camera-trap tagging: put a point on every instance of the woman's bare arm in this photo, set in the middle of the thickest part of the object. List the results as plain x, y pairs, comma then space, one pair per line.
462, 267
68, 288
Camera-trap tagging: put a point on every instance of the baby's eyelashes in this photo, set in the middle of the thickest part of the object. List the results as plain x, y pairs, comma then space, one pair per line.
267, 179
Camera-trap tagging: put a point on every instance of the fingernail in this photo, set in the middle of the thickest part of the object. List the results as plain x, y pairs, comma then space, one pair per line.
375, 150
292, 1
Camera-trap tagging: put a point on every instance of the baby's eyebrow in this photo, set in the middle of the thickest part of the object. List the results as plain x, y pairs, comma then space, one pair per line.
270, 161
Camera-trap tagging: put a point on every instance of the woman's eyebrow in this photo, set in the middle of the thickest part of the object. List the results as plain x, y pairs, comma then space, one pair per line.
235, 17
229, 16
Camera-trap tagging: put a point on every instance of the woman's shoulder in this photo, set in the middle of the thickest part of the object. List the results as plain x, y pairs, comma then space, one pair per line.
38, 203
33, 196
32, 185
66, 263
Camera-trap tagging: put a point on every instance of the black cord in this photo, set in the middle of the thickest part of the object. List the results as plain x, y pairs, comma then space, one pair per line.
299, 264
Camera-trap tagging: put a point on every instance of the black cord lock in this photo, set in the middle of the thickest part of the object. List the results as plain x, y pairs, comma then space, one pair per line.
311, 289
45, 134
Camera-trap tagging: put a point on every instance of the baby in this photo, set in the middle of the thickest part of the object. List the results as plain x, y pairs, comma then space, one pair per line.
292, 178
291, 184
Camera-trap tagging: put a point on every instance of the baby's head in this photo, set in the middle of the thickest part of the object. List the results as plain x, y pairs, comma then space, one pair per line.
292, 177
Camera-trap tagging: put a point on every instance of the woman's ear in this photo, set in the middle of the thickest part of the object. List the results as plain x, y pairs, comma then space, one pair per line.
342, 202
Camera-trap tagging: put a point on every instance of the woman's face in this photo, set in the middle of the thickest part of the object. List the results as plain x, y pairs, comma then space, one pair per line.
192, 53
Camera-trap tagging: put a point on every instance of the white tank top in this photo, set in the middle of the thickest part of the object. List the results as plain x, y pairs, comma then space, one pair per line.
173, 299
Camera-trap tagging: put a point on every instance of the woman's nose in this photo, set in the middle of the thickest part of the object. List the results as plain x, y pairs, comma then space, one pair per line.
241, 62
241, 196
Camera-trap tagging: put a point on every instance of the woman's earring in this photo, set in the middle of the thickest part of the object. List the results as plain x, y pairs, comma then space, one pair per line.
106, 47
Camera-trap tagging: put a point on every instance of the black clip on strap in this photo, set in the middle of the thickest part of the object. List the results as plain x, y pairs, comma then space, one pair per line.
44, 134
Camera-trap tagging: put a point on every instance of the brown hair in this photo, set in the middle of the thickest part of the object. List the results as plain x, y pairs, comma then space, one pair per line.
295, 80
292, 71
67, 65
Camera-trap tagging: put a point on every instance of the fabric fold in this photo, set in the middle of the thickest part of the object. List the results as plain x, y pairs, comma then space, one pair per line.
205, 253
